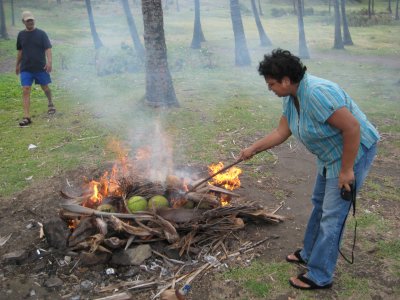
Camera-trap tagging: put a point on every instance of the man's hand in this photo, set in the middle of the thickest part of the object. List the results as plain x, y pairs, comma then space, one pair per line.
47, 68
345, 179
17, 69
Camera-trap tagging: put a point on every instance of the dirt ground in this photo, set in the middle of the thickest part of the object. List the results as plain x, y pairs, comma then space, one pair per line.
293, 173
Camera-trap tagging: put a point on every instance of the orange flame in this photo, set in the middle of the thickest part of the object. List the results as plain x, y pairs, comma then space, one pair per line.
229, 179
108, 184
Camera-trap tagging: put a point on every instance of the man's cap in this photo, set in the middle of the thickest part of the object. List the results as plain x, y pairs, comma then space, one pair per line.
27, 15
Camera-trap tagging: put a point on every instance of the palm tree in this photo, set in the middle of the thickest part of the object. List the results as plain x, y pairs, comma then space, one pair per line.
242, 55
303, 49
264, 39
12, 13
198, 35
346, 32
338, 43
96, 40
3, 28
260, 8
159, 87
132, 29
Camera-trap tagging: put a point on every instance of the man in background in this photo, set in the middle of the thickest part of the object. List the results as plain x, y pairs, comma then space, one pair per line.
34, 63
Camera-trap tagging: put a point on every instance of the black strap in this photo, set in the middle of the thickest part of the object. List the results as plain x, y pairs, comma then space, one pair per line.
352, 202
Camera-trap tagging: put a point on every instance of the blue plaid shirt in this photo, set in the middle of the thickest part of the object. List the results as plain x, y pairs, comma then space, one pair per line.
319, 99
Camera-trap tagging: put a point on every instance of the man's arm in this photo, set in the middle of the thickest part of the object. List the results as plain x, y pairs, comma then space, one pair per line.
48, 66
350, 128
275, 138
18, 64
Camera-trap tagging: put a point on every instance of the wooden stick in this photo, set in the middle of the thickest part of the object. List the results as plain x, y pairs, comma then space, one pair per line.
213, 175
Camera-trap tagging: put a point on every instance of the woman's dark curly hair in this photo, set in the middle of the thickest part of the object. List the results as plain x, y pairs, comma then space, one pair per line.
281, 63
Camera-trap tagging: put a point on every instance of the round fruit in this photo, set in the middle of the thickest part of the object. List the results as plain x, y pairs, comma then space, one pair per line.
158, 201
106, 208
137, 203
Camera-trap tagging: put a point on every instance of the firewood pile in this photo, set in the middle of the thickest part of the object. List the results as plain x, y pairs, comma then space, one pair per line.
198, 223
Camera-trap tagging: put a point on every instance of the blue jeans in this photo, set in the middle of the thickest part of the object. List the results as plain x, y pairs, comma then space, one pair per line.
322, 235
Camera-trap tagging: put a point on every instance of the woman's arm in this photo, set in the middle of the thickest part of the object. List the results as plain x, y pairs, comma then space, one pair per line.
343, 120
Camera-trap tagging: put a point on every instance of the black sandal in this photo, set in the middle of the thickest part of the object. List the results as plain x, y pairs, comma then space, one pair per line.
51, 110
25, 122
311, 284
299, 260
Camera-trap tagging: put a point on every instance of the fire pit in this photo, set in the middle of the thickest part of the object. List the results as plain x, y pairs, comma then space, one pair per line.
183, 236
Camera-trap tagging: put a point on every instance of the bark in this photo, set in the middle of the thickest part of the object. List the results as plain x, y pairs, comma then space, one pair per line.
132, 29
242, 55
264, 39
198, 35
96, 40
338, 42
346, 32
303, 49
3, 28
397, 10
390, 6
159, 87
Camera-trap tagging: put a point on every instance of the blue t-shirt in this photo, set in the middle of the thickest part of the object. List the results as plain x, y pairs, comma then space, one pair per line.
33, 45
319, 99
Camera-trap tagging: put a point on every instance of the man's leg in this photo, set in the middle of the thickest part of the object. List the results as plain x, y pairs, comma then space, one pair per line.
47, 92
26, 100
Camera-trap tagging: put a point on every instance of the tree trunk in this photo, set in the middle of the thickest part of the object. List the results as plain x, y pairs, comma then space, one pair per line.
264, 39
198, 35
397, 10
303, 49
12, 13
260, 8
177, 6
389, 6
58, 2
346, 32
338, 43
329, 7
159, 87
3, 28
294, 7
369, 9
96, 40
242, 55
132, 29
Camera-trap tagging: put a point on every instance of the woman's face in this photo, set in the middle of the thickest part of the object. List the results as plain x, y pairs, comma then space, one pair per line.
281, 89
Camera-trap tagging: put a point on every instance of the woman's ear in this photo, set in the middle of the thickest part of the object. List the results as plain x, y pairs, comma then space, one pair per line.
286, 81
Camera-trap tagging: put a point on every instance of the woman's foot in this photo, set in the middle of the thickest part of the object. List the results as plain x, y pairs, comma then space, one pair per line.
303, 283
295, 257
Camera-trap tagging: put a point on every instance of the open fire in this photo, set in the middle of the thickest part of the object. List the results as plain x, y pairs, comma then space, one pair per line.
104, 224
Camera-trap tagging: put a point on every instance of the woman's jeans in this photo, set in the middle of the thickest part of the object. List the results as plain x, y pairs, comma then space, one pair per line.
322, 235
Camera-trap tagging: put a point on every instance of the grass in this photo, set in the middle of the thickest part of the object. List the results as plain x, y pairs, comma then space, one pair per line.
262, 279
223, 108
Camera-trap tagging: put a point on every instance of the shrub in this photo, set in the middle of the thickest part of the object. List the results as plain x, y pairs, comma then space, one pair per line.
361, 19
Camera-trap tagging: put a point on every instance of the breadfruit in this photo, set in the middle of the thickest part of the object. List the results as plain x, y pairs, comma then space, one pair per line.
158, 201
137, 203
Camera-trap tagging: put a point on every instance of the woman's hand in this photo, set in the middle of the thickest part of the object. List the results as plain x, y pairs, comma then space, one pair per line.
345, 179
247, 153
